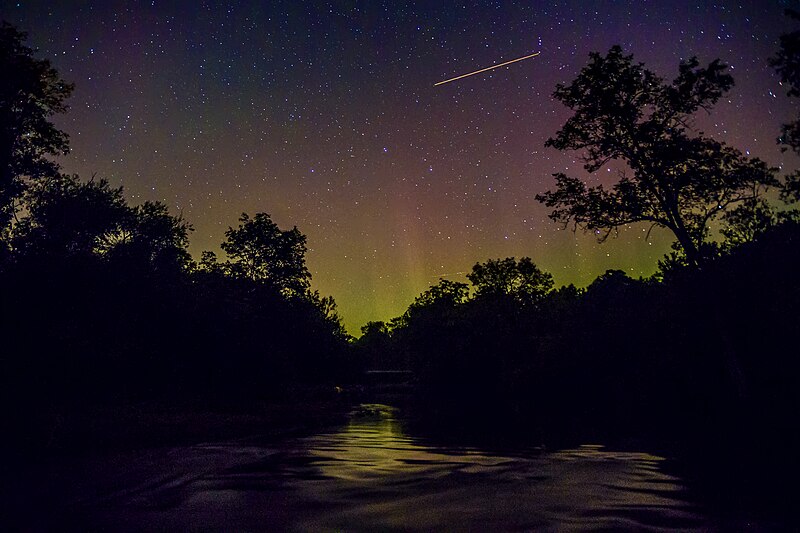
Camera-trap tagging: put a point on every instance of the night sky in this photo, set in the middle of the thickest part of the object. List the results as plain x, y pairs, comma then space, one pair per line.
325, 115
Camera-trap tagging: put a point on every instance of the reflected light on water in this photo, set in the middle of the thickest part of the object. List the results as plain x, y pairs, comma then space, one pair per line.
373, 444
383, 478
371, 475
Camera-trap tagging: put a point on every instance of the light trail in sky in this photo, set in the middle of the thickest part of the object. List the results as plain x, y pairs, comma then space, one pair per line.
487, 68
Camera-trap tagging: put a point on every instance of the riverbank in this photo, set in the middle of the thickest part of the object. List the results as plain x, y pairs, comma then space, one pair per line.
69, 454
368, 473
73, 430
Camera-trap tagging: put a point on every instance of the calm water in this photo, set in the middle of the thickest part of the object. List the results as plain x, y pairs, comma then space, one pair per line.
371, 475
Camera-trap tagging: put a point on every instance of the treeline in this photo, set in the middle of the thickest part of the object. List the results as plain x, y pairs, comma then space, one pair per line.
705, 348
102, 303
690, 351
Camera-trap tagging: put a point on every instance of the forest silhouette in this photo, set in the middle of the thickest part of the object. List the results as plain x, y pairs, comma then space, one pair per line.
103, 304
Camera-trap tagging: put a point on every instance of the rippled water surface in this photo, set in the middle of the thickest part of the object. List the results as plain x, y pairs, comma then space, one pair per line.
371, 475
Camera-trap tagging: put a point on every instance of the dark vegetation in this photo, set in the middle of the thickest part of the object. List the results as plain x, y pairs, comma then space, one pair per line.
700, 357
701, 350
102, 305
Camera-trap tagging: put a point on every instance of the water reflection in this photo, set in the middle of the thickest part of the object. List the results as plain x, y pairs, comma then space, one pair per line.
371, 475
379, 477
373, 447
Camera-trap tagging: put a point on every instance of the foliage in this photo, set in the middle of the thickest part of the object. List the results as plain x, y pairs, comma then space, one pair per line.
790, 191
127, 318
677, 181
67, 217
444, 292
87, 318
328, 314
375, 329
260, 251
675, 358
610, 281
522, 280
747, 221
787, 63
378, 349
157, 237
31, 92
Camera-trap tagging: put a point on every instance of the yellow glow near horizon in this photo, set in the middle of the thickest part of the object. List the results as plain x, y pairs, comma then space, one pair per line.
487, 68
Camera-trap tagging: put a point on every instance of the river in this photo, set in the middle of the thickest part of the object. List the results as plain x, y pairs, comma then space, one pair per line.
371, 475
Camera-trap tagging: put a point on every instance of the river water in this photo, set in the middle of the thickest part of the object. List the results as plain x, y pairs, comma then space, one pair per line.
370, 475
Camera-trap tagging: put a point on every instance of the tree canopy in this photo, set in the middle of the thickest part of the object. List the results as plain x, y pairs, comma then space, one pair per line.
522, 280
787, 63
149, 235
66, 217
679, 179
31, 92
260, 251
444, 292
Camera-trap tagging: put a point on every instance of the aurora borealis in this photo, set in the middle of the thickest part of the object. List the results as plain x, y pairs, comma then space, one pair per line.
325, 115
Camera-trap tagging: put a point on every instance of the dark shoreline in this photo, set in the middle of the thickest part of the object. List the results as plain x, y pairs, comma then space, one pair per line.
735, 485
76, 431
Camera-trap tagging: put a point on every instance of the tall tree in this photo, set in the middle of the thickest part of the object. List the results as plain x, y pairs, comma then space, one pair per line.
260, 251
31, 92
522, 280
748, 220
151, 236
67, 217
677, 181
445, 291
787, 63
437, 304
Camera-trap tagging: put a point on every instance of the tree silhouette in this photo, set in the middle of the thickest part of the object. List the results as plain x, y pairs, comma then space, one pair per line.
787, 63
150, 236
374, 329
748, 220
378, 347
522, 280
679, 182
31, 92
446, 291
435, 305
70, 218
260, 251
67, 217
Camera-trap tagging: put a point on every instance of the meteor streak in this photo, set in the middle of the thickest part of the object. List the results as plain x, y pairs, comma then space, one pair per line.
487, 68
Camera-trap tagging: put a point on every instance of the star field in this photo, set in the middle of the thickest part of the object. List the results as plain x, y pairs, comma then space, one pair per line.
325, 115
